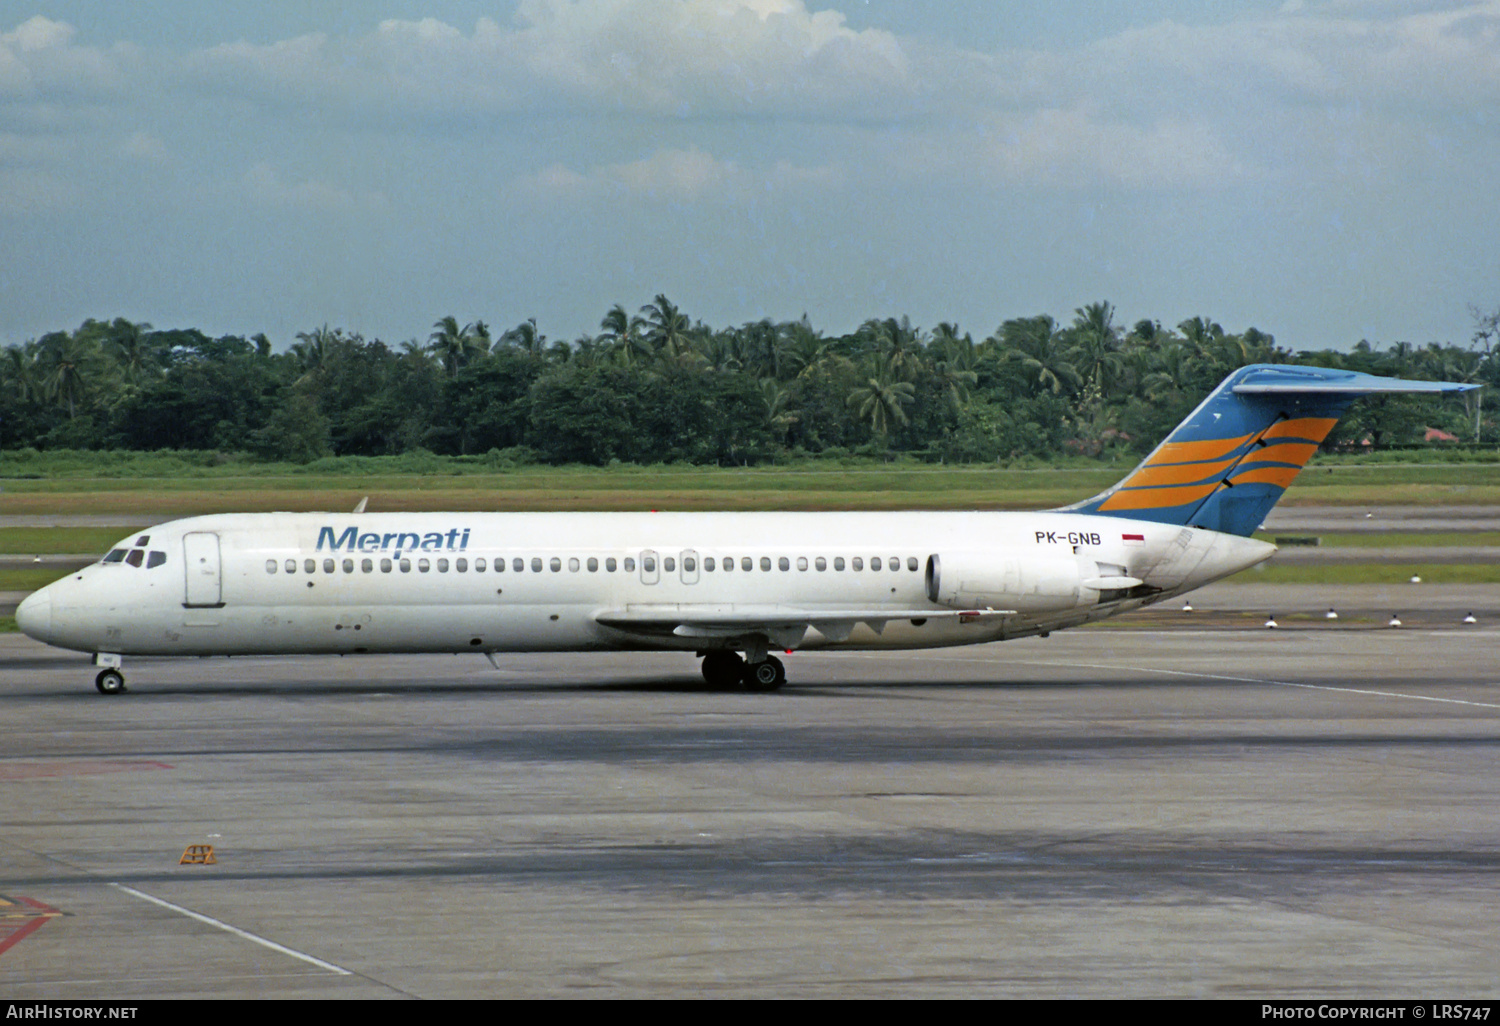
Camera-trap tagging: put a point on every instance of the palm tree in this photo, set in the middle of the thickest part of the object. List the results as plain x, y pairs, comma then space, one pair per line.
881, 399
23, 368
899, 343
526, 338
457, 347
778, 400
800, 349
1095, 350
69, 366
130, 345
313, 349
622, 334
1034, 344
667, 328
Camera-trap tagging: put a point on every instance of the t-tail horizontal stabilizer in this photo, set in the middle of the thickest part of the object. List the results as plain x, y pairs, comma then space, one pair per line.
1228, 463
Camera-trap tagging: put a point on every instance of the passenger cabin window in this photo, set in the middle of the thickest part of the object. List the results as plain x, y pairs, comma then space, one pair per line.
838, 563
536, 565
629, 564
708, 564
348, 566
648, 564
610, 564
519, 564
423, 566
820, 563
911, 563
406, 566
765, 563
479, 565
291, 566
783, 563
573, 564
442, 566
554, 564
875, 563
856, 563
328, 566
461, 565
593, 565
270, 565
668, 564
310, 566
385, 566
367, 566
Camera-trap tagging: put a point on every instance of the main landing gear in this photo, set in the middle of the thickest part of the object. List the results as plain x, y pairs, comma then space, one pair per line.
725, 671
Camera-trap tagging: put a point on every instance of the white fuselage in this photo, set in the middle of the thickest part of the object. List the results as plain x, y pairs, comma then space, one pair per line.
510, 582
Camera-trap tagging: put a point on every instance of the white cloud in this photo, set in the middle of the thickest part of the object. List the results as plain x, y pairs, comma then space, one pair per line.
142, 146
262, 185
38, 59
676, 176
30, 190
660, 57
1372, 53
38, 33
1075, 148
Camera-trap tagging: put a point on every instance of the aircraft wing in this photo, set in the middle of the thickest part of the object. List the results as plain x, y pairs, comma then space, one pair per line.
782, 626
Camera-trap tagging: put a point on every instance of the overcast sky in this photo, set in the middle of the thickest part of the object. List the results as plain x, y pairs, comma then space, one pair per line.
1325, 170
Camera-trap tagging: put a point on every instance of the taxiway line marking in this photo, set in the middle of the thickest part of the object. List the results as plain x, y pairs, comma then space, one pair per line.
245, 934
1236, 680
1277, 683
35, 923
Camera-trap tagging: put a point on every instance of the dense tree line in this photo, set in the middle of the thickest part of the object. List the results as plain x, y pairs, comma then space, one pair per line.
658, 387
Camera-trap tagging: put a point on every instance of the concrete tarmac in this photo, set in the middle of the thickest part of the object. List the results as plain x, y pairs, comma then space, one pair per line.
1137, 813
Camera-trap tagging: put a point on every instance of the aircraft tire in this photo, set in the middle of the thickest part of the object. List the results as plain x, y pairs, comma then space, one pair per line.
110, 682
765, 676
723, 670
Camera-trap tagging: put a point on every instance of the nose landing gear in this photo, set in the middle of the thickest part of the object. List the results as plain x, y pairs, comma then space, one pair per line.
110, 682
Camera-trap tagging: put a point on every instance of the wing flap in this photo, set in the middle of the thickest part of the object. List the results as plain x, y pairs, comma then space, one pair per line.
785, 627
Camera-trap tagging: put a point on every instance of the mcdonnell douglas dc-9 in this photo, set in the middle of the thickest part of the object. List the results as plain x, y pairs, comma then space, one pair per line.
732, 587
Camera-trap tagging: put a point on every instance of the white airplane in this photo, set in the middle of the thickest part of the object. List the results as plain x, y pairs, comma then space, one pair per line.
719, 584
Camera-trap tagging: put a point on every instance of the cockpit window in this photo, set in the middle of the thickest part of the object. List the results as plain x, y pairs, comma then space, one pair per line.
155, 559
143, 541
135, 557
115, 556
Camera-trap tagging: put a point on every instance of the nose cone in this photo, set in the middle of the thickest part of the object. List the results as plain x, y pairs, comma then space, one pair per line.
34, 615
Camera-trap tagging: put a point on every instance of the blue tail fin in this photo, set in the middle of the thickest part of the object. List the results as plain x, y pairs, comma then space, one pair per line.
1228, 463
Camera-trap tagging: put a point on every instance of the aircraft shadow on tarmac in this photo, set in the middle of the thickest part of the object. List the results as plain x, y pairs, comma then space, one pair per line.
143, 687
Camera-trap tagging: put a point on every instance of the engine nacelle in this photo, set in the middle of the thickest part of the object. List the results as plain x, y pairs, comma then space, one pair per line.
1027, 582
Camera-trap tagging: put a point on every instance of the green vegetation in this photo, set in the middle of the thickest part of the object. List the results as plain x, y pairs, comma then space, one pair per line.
660, 388
1372, 573
30, 578
60, 541
1395, 539
152, 494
